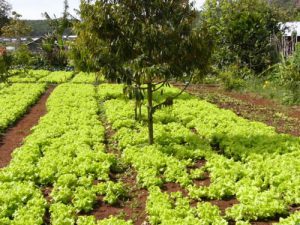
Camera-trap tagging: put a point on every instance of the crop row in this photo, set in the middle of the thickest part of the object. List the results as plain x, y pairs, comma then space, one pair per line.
246, 160
29, 76
57, 77
66, 155
15, 100
40, 76
89, 78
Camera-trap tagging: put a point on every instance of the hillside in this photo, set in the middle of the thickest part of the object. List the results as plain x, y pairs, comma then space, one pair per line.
39, 27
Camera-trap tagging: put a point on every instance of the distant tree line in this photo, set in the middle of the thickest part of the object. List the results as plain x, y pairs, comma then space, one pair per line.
39, 27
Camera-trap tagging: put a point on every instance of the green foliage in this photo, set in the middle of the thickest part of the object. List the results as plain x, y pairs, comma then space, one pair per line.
90, 220
39, 27
244, 159
5, 64
232, 77
16, 28
242, 31
22, 57
62, 214
54, 52
113, 220
140, 43
112, 191
54, 46
284, 78
292, 219
57, 77
291, 75
5, 8
89, 78
15, 100
175, 209
21, 203
19, 76
100, 43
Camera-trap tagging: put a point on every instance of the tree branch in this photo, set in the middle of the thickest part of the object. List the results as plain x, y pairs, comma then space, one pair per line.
170, 99
162, 84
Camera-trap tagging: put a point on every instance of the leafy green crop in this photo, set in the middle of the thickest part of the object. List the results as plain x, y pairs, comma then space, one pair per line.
245, 160
21, 203
88, 78
30, 76
57, 77
15, 100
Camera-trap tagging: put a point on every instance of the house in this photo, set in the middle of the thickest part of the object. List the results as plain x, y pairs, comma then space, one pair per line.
36, 45
291, 37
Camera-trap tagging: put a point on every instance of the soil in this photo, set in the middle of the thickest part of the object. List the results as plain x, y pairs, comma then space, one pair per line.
170, 187
285, 119
15, 135
47, 195
294, 208
224, 204
132, 208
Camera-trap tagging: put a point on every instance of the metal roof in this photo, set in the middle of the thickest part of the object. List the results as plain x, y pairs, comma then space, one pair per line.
291, 27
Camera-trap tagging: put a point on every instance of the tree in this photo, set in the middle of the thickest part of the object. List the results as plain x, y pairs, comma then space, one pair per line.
5, 63
142, 43
242, 31
16, 28
54, 45
4, 13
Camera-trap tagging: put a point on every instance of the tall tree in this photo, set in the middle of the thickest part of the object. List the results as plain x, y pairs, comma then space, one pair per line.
16, 28
242, 31
4, 13
54, 45
142, 43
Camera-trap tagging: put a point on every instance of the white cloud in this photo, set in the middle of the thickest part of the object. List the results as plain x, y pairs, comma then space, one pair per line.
33, 9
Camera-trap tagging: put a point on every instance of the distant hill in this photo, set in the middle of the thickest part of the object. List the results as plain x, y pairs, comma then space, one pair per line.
39, 27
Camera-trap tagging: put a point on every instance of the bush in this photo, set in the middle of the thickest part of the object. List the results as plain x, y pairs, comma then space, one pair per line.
233, 77
287, 75
5, 63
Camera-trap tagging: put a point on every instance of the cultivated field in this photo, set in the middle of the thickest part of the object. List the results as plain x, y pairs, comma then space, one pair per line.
72, 153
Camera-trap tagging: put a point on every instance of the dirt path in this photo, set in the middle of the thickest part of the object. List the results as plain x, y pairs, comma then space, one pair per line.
14, 136
251, 106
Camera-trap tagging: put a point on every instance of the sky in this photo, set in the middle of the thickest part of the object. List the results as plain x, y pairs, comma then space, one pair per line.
33, 9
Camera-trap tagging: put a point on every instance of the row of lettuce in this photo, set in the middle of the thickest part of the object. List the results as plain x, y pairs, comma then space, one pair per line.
65, 151
27, 87
56, 77
246, 160
15, 101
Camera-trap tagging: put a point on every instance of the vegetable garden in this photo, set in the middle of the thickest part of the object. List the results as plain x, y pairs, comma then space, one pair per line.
76, 162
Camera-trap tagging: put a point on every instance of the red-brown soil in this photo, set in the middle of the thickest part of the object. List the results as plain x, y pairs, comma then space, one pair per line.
224, 204
251, 106
47, 195
264, 222
132, 208
294, 208
170, 187
15, 135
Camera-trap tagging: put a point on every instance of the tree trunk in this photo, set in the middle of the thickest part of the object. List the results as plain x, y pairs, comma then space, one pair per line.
136, 110
150, 113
